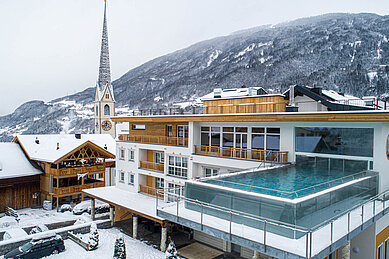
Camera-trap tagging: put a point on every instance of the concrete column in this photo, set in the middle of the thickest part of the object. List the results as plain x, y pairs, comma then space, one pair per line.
134, 226
345, 251
92, 209
112, 215
163, 237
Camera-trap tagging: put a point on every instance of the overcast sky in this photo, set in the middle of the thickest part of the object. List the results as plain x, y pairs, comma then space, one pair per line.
50, 48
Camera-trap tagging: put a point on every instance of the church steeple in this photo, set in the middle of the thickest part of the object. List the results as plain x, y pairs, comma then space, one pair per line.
104, 68
104, 100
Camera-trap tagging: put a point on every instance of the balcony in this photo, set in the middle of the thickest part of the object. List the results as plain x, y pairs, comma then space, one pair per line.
160, 168
151, 191
242, 153
77, 188
77, 170
158, 140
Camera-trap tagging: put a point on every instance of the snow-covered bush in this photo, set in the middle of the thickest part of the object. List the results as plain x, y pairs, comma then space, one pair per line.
66, 207
120, 249
93, 237
171, 251
35, 230
85, 206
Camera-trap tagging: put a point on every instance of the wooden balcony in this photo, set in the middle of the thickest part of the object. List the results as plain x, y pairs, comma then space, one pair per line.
160, 168
151, 191
77, 170
76, 188
241, 153
159, 140
264, 107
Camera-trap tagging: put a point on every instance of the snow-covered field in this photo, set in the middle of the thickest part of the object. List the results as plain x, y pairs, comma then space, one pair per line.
135, 249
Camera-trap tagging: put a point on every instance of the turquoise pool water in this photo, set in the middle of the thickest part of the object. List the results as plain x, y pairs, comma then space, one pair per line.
309, 176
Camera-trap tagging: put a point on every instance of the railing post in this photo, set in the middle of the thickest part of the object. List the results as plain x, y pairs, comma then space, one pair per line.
178, 198
310, 244
156, 202
201, 216
373, 210
348, 226
332, 234
230, 224
362, 217
306, 245
264, 235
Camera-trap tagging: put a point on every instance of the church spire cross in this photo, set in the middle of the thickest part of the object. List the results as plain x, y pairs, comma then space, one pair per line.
104, 68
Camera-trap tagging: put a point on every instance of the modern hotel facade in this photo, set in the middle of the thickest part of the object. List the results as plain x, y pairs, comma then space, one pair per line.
297, 175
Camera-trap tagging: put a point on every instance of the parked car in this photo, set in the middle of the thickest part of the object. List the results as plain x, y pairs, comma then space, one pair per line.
38, 248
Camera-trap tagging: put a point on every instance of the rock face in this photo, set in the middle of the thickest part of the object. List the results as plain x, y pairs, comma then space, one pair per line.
348, 53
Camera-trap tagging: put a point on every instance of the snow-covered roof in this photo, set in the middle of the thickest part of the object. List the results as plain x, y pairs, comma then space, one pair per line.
101, 92
339, 97
47, 150
234, 93
14, 162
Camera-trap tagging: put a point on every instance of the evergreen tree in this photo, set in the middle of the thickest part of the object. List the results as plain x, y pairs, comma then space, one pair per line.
93, 237
120, 249
171, 251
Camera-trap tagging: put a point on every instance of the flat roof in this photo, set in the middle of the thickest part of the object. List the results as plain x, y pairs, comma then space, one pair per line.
364, 115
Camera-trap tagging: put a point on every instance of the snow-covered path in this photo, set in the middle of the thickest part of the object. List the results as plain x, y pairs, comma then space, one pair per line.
135, 249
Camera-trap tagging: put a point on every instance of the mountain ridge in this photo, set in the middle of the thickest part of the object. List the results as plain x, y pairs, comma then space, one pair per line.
339, 51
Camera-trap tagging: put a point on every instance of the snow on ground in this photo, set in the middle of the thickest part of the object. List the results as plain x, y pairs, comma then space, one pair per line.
135, 249
34, 217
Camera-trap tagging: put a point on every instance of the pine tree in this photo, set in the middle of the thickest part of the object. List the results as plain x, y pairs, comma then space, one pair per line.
93, 237
171, 251
120, 249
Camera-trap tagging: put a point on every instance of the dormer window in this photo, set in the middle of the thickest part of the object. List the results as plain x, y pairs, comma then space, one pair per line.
107, 96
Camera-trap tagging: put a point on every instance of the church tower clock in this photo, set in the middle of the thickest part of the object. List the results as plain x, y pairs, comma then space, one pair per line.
104, 104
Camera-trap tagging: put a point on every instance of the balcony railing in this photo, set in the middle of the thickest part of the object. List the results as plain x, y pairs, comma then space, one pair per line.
242, 153
152, 166
160, 140
151, 191
77, 170
77, 188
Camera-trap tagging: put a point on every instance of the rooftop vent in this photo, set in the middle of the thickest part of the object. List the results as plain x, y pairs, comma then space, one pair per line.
37, 140
252, 91
217, 93
57, 145
105, 147
316, 90
77, 136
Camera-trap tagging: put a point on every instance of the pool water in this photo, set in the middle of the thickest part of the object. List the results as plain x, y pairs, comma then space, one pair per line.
307, 177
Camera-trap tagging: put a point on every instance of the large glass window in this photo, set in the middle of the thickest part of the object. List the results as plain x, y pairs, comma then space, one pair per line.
265, 138
178, 166
338, 141
210, 136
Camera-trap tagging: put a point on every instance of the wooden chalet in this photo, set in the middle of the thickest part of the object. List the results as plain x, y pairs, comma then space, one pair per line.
19, 179
70, 163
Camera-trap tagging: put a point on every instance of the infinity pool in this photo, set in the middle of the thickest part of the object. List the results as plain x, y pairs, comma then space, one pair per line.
308, 176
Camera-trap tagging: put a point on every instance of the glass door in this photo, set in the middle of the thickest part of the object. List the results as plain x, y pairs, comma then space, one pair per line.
182, 134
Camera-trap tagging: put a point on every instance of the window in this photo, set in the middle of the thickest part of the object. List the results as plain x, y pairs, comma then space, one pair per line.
265, 138
386, 252
169, 130
131, 155
106, 109
121, 177
107, 96
210, 136
159, 157
208, 172
178, 166
337, 141
130, 178
159, 183
174, 189
380, 252
138, 126
182, 131
121, 153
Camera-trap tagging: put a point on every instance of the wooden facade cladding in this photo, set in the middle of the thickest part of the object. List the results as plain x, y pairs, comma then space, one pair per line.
265, 117
258, 104
19, 192
155, 129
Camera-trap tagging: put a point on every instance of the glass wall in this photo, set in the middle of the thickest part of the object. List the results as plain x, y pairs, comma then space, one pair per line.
265, 138
337, 141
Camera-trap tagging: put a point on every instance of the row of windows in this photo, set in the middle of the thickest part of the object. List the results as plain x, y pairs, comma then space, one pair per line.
130, 177
122, 154
383, 250
237, 137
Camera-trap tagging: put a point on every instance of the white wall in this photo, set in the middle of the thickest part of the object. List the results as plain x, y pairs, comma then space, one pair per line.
364, 243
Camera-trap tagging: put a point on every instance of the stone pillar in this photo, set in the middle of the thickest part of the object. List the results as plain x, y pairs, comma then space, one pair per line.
111, 215
163, 237
134, 226
345, 251
92, 209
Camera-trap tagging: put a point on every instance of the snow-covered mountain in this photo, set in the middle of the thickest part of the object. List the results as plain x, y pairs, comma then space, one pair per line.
344, 52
